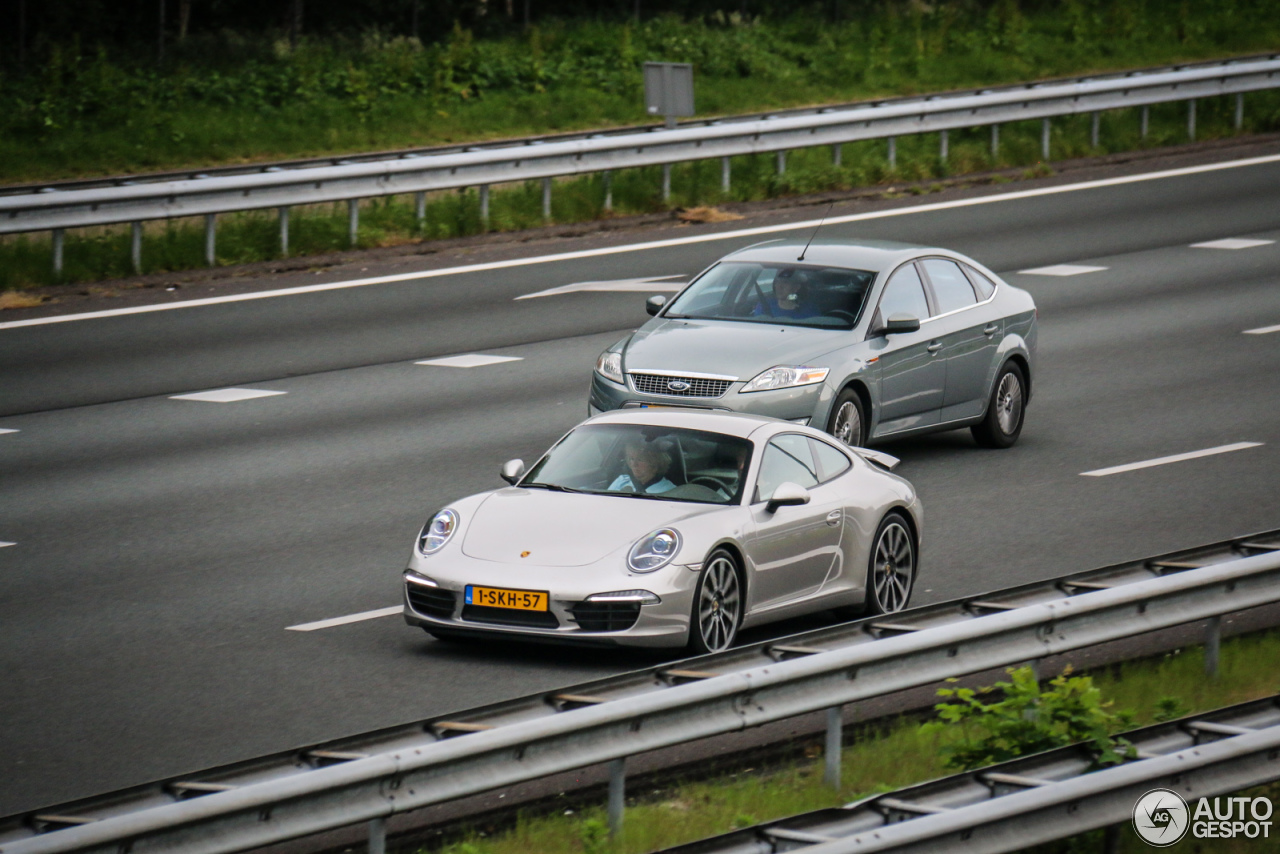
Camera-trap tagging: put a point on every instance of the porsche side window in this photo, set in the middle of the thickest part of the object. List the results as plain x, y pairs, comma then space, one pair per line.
904, 295
831, 463
787, 459
950, 288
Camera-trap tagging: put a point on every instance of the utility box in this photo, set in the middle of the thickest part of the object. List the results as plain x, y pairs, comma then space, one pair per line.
668, 90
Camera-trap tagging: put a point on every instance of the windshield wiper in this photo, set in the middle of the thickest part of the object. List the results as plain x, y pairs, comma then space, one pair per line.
553, 487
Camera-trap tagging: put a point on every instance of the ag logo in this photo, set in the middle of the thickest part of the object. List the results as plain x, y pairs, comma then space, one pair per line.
1161, 817
678, 385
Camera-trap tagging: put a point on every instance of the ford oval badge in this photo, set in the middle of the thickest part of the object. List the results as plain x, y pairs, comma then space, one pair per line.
678, 385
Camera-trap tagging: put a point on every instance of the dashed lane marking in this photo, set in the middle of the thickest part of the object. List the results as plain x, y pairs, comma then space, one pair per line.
807, 225
350, 618
7, 430
1062, 270
3, 544
1176, 458
1264, 330
227, 395
470, 360
652, 283
1232, 243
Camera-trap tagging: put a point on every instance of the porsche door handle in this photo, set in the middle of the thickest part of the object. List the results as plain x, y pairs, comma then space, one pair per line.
834, 517
934, 347
991, 329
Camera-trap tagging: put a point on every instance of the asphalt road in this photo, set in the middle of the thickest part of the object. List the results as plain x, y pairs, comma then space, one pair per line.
161, 547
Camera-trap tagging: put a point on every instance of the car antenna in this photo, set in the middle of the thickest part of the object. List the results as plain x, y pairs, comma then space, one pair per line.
815, 231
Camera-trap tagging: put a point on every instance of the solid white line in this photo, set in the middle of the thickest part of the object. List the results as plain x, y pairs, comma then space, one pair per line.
657, 244
1176, 458
1265, 330
342, 621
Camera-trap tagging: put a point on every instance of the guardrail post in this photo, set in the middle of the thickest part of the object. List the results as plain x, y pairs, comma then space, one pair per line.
782, 162
608, 191
135, 245
1191, 120
57, 253
353, 221
1212, 646
724, 174
284, 231
617, 794
995, 141
1144, 122
484, 207
835, 726
210, 239
420, 207
1044, 139
1239, 110
377, 836
942, 146
546, 200
1093, 130
1111, 839
836, 151
666, 182
893, 152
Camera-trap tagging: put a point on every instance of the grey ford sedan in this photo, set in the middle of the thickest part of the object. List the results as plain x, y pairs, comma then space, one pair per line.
868, 341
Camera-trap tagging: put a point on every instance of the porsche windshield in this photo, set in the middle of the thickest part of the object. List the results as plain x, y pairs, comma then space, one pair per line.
791, 294
645, 461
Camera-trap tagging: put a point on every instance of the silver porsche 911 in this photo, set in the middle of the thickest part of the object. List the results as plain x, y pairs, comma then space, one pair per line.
669, 527
866, 340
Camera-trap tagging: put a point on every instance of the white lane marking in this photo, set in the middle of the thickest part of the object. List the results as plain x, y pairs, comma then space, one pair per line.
1264, 330
653, 283
657, 244
3, 544
342, 621
1176, 458
470, 360
1062, 270
227, 395
1232, 243
7, 430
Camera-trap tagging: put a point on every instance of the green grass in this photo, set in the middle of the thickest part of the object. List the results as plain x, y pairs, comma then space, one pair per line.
234, 98
882, 759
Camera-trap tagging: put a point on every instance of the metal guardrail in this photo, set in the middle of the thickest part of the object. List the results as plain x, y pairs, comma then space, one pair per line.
56, 208
368, 778
1031, 800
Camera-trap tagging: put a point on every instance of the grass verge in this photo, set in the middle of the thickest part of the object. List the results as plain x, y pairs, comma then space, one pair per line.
883, 758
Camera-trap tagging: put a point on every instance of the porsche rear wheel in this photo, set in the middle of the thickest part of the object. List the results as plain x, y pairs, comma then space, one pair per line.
892, 572
717, 605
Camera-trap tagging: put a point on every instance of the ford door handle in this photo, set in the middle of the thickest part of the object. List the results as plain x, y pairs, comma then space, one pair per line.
834, 517
991, 329
934, 347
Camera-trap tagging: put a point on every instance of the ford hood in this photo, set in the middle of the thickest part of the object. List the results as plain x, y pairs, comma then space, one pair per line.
730, 348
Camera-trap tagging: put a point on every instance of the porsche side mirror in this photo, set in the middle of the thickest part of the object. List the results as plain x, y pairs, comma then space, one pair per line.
787, 495
512, 471
900, 322
654, 304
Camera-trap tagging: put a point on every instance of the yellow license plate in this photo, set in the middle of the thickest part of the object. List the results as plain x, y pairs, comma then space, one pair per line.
497, 597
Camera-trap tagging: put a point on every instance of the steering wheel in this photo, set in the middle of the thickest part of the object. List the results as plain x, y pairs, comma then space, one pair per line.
840, 312
712, 482
764, 303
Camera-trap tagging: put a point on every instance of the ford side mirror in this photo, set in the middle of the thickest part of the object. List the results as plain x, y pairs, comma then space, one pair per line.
654, 304
512, 471
900, 322
787, 495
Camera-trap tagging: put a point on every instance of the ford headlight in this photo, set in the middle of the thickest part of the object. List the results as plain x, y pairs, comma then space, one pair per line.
437, 532
785, 376
609, 365
654, 551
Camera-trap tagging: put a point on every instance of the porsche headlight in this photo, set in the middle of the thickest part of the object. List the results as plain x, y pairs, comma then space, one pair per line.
437, 532
609, 365
785, 376
654, 551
